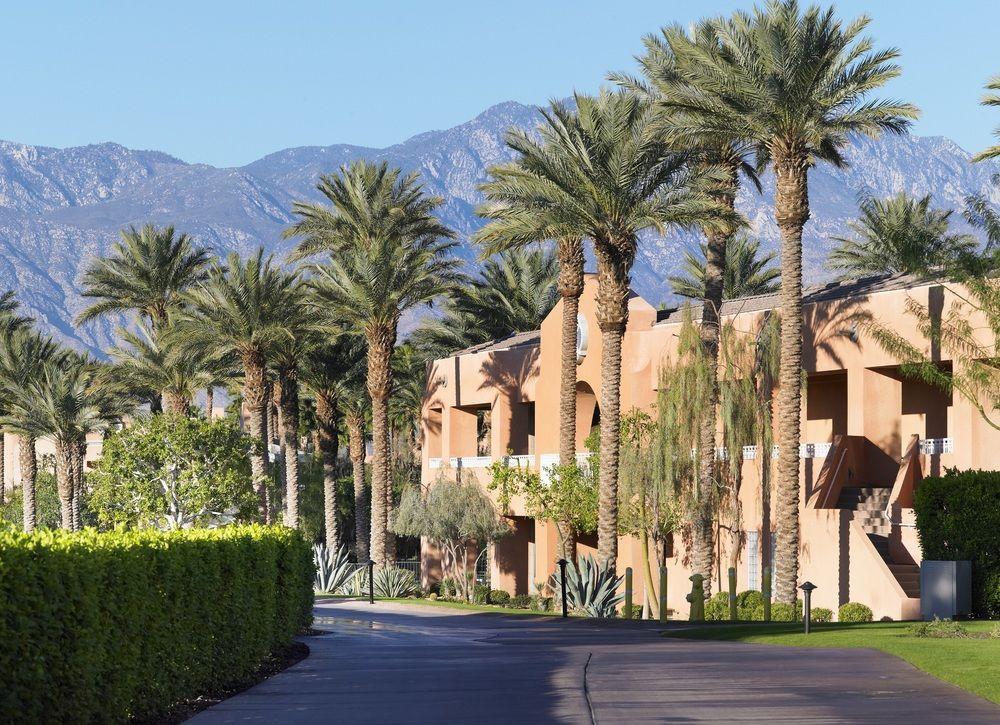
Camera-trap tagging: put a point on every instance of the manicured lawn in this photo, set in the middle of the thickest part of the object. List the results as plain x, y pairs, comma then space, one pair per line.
972, 664
469, 607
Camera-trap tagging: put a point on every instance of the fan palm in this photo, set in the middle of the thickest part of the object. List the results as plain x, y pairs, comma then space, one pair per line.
991, 99
793, 83
899, 234
23, 355
604, 174
389, 254
330, 372
146, 272
65, 402
243, 310
513, 292
747, 272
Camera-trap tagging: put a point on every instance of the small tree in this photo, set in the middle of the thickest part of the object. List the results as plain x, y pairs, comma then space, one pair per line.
455, 516
172, 472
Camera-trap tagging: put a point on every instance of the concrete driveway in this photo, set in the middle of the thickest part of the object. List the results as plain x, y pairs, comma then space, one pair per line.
393, 663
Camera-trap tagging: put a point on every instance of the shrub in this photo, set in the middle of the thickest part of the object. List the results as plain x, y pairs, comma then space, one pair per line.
854, 612
821, 614
333, 570
520, 601
499, 597
958, 519
540, 603
393, 583
591, 589
480, 594
123, 625
46, 504
784, 612
750, 605
938, 629
717, 607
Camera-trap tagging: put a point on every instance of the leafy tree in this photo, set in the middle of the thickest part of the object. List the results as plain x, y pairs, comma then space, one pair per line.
173, 472
514, 291
242, 309
457, 517
746, 271
146, 272
899, 234
611, 178
388, 254
796, 84
991, 99
44, 504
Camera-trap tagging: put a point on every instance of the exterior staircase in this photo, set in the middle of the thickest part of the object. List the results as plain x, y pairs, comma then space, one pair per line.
868, 504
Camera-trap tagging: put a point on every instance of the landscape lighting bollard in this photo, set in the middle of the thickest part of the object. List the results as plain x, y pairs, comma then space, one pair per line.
732, 594
663, 594
371, 581
562, 586
807, 611
628, 592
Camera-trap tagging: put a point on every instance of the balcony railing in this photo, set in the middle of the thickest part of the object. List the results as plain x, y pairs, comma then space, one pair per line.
936, 446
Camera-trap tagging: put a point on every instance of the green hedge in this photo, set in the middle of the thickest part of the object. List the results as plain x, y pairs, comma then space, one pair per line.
102, 627
958, 519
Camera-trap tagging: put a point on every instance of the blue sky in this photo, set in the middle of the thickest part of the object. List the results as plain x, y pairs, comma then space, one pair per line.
226, 82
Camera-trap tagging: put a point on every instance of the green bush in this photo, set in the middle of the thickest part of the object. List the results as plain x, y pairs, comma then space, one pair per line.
821, 614
938, 629
104, 627
958, 519
46, 504
750, 605
854, 612
480, 594
499, 597
520, 601
717, 608
784, 612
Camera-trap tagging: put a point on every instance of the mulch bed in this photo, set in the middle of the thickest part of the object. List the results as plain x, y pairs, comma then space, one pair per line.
280, 661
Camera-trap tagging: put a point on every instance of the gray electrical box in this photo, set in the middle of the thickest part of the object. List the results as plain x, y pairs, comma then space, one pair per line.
945, 589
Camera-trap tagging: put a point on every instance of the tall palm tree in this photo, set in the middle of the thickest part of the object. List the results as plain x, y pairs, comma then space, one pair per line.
356, 407
747, 271
513, 292
23, 355
899, 234
389, 254
146, 272
151, 361
794, 83
10, 323
65, 402
991, 99
604, 174
242, 309
330, 372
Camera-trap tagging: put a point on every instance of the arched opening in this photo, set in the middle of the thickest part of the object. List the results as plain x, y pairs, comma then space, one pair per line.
588, 414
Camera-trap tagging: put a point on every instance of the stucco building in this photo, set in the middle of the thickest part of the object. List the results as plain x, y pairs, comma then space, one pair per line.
869, 434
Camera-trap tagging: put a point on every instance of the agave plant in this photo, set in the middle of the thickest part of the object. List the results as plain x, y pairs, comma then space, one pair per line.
333, 570
590, 588
390, 583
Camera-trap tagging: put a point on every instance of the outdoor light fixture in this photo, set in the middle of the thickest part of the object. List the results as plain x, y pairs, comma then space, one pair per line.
371, 581
807, 587
562, 583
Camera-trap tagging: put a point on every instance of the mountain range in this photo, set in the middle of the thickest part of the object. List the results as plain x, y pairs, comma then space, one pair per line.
60, 207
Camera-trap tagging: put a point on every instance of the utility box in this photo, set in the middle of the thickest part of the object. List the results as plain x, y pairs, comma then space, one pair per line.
945, 589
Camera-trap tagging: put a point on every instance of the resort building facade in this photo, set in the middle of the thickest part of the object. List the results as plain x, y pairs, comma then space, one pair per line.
869, 434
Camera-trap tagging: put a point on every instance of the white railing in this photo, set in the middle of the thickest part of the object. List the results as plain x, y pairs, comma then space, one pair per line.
520, 461
936, 446
434, 463
547, 460
471, 461
806, 450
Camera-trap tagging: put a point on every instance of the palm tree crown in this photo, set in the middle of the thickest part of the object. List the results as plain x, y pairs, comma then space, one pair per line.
147, 271
746, 271
899, 234
991, 99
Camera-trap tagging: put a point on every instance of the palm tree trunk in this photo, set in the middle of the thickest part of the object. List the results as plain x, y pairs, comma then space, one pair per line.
381, 341
288, 401
209, 401
175, 404
3, 467
64, 484
715, 268
326, 428
791, 211
356, 443
255, 398
79, 453
29, 472
570, 283
612, 316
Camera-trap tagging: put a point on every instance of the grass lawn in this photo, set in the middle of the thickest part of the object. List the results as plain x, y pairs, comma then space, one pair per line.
469, 607
972, 664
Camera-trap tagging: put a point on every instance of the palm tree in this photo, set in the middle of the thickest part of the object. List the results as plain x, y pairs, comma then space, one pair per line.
146, 272
746, 271
330, 372
242, 309
991, 99
899, 234
10, 323
356, 408
794, 84
513, 292
23, 355
65, 402
150, 362
389, 254
604, 174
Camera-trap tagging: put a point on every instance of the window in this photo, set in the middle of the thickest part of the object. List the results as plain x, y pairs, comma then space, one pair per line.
753, 566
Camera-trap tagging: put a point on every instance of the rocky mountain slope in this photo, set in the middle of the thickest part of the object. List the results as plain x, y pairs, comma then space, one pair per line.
59, 207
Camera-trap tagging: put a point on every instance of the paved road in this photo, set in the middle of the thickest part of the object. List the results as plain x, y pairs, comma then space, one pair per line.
392, 663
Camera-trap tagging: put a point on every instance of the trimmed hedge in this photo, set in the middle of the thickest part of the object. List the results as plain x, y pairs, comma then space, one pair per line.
854, 612
103, 627
958, 519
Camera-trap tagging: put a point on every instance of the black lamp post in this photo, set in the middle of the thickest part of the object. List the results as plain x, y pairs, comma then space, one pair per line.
807, 588
371, 581
562, 584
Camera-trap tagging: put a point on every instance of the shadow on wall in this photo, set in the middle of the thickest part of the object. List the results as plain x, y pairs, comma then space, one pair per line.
510, 382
